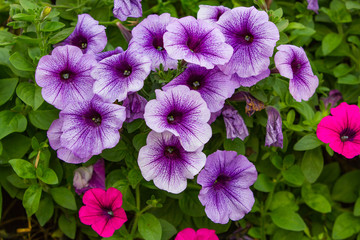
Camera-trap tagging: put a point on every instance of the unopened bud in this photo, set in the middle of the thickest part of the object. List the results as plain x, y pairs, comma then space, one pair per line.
45, 12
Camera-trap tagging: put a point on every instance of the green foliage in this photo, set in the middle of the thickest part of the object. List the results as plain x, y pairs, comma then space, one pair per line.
150, 227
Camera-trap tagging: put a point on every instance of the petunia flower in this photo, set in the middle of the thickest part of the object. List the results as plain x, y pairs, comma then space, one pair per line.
103, 55
86, 178
124, 31
182, 112
166, 162
135, 106
103, 211
127, 8
253, 38
313, 5
65, 76
213, 85
211, 13
91, 126
148, 35
196, 41
120, 74
292, 63
342, 130
225, 182
214, 116
201, 234
250, 81
274, 135
88, 35
234, 123
334, 97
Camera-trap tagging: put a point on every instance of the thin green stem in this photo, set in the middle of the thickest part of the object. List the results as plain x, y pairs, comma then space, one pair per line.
262, 229
137, 192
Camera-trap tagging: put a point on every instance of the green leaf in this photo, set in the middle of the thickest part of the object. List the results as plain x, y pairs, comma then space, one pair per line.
168, 230
28, 4
64, 197
11, 122
1, 202
288, 220
352, 5
330, 42
349, 80
357, 207
134, 125
61, 35
134, 177
312, 164
284, 199
264, 184
42, 119
46, 210
139, 141
128, 199
7, 87
52, 26
282, 25
314, 200
116, 153
345, 226
346, 187
23, 168
47, 175
307, 142
31, 199
150, 227
24, 17
30, 94
15, 145
330, 173
236, 145
204, 222
294, 175
342, 69
67, 225
20, 62
190, 204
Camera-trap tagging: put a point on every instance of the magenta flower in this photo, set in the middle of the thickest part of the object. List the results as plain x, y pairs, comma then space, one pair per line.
65, 76
127, 8
249, 81
213, 85
103, 211
234, 123
119, 74
225, 182
166, 162
135, 107
148, 35
103, 55
86, 178
313, 5
342, 130
88, 35
196, 41
253, 38
201, 234
274, 135
292, 63
211, 13
182, 112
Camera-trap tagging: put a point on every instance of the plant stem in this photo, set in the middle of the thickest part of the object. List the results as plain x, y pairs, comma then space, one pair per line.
37, 159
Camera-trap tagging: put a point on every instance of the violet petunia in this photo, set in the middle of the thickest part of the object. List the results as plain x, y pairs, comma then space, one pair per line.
127, 8
201, 234
234, 123
274, 134
225, 182
86, 178
253, 38
334, 97
214, 116
196, 41
250, 81
148, 35
103, 55
211, 13
135, 106
182, 112
120, 74
292, 63
65, 76
88, 35
313, 5
166, 162
213, 85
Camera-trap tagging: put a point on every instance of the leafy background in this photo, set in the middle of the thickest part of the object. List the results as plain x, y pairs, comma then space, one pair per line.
303, 191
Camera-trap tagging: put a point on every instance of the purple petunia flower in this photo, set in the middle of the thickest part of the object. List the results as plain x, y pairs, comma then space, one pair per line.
103, 55
214, 116
149, 38
211, 13
166, 162
127, 8
253, 38
135, 106
91, 126
213, 85
234, 123
182, 112
274, 135
88, 35
250, 81
313, 5
225, 182
292, 63
334, 97
65, 76
119, 74
196, 41
89, 177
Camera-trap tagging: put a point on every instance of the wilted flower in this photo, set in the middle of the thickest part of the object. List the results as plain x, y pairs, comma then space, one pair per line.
182, 112
124, 31
135, 106
103, 55
225, 182
89, 177
274, 135
332, 99
103, 211
196, 41
166, 162
211, 13
201, 234
127, 8
65, 76
342, 130
234, 123
292, 63
250, 81
313, 5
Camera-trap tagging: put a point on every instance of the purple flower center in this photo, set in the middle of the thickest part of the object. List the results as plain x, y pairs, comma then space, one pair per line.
80, 42
245, 37
347, 135
221, 181
194, 81
295, 66
124, 69
174, 117
93, 118
193, 44
171, 152
65, 75
158, 43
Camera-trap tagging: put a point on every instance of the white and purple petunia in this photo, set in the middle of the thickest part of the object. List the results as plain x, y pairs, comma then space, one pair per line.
234, 123
103, 55
211, 13
225, 182
89, 177
135, 106
253, 38
166, 162
88, 35
91, 126
65, 76
148, 35
196, 41
274, 135
292, 63
119, 74
250, 81
127, 8
213, 85
182, 112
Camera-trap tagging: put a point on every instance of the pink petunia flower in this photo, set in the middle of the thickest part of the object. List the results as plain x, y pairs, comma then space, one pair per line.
201, 234
342, 130
103, 211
